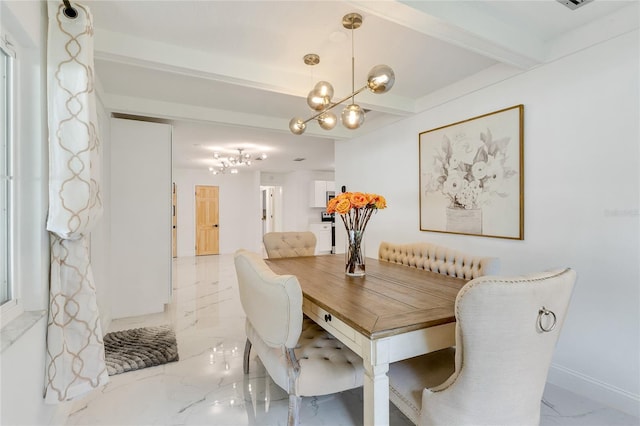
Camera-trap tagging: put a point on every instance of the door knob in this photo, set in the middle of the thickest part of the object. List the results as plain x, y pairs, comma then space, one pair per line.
215, 225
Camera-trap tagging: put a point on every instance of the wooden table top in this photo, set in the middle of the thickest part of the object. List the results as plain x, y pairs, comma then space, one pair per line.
390, 299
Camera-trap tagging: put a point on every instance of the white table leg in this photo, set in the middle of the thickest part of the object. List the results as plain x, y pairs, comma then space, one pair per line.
376, 394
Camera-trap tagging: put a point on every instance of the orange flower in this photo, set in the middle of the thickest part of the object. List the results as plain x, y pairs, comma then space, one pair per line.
331, 205
358, 199
379, 201
371, 198
343, 205
352, 205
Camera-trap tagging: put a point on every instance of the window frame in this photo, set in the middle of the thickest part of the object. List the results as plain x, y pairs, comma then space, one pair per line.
11, 308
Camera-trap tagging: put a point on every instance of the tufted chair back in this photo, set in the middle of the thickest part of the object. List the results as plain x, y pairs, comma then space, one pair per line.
289, 244
438, 259
506, 332
271, 302
300, 356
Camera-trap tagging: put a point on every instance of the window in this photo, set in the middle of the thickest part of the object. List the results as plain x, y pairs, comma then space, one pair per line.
6, 132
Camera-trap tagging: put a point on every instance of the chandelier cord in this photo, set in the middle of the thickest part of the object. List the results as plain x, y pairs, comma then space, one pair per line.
353, 65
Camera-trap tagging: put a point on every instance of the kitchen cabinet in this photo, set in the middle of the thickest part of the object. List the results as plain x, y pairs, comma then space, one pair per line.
318, 192
322, 231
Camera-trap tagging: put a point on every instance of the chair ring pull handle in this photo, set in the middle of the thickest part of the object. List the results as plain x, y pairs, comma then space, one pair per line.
544, 312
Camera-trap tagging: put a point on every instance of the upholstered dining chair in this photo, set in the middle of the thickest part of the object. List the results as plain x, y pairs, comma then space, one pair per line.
506, 332
289, 244
300, 356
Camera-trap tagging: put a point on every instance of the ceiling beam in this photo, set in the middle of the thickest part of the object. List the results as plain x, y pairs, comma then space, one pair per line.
451, 22
174, 111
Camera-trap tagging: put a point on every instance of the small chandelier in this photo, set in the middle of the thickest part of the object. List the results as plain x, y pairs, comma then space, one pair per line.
222, 168
379, 80
230, 163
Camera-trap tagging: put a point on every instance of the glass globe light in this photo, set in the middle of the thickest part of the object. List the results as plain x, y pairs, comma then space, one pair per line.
352, 116
327, 120
316, 101
320, 97
325, 89
380, 79
297, 126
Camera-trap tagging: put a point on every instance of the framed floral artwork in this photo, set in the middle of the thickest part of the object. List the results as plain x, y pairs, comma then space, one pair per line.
472, 176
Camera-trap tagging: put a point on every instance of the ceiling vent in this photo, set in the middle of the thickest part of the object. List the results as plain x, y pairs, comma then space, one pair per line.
574, 4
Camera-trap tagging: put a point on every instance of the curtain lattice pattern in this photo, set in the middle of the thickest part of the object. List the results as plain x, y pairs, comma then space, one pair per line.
75, 350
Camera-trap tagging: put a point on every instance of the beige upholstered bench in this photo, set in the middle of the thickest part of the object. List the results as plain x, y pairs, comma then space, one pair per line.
442, 260
289, 244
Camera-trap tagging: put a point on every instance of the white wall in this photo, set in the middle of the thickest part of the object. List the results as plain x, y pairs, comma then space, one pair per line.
581, 202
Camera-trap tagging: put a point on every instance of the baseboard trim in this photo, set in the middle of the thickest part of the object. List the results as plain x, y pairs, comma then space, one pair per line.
595, 390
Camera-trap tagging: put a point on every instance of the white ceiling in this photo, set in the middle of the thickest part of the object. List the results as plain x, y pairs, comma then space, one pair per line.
229, 74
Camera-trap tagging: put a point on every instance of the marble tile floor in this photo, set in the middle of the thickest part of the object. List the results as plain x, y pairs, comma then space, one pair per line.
207, 385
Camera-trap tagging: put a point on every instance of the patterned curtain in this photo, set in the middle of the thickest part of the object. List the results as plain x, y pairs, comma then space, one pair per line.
75, 350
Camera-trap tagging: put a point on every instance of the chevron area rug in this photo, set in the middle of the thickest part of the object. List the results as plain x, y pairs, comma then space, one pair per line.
139, 348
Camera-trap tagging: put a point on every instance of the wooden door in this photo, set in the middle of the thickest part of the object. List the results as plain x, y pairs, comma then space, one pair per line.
207, 226
174, 221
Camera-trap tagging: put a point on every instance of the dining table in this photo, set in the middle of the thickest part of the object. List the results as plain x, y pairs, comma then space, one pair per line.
393, 312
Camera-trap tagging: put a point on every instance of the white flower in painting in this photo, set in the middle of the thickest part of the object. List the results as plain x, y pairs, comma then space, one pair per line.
479, 170
470, 171
454, 184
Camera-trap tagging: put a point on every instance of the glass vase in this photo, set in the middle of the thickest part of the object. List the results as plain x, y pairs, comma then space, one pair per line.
354, 254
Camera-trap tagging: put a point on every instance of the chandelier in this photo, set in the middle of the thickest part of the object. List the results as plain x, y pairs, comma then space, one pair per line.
379, 80
231, 163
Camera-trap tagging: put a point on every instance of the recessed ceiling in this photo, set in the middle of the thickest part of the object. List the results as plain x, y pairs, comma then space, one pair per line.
230, 74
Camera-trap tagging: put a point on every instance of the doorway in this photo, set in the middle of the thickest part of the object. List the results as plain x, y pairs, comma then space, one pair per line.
271, 208
207, 220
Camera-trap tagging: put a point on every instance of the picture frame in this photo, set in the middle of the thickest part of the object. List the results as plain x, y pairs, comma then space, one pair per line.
472, 176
